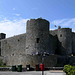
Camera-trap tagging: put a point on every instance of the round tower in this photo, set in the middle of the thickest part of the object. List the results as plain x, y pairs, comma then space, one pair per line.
64, 41
73, 43
37, 36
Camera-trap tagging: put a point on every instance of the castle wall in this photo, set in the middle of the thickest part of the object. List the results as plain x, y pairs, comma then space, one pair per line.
71, 60
49, 61
37, 37
65, 41
14, 52
13, 46
64, 60
21, 49
73, 43
53, 41
53, 44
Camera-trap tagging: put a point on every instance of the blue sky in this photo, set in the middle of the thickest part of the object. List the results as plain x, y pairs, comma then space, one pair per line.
15, 13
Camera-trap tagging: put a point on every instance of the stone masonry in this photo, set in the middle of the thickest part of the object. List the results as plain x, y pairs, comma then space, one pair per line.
22, 49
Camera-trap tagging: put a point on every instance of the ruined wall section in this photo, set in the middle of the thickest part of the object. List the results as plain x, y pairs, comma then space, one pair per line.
13, 46
65, 41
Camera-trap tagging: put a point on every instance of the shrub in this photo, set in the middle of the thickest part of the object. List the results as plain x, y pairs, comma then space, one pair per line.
1, 62
69, 70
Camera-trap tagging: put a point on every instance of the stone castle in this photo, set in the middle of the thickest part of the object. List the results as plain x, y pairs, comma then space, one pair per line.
22, 49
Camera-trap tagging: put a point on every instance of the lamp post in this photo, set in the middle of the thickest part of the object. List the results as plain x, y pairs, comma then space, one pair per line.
43, 54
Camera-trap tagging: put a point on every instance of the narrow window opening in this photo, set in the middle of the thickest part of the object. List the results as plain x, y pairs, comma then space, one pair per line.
37, 40
13, 54
18, 40
0, 51
60, 35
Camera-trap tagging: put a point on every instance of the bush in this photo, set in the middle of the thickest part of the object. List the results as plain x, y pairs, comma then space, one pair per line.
1, 62
69, 70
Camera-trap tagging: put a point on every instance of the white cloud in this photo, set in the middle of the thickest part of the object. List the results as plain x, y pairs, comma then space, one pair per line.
11, 28
57, 22
16, 27
17, 14
14, 9
70, 23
